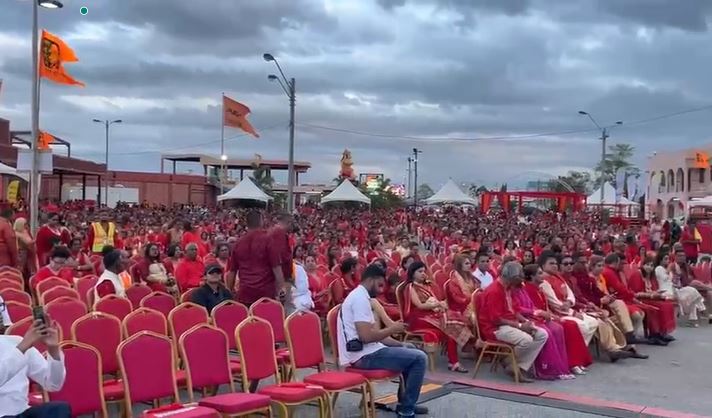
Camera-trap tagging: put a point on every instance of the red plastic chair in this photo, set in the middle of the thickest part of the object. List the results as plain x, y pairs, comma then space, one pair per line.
255, 342
144, 319
372, 375
147, 366
205, 353
103, 332
82, 384
65, 311
114, 305
58, 292
227, 316
159, 301
16, 295
306, 350
136, 292
18, 311
184, 317
10, 284
49, 283
85, 285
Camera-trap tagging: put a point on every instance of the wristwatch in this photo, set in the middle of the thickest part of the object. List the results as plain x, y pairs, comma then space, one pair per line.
519, 326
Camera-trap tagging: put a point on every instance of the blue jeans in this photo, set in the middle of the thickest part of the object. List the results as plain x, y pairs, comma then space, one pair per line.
48, 410
410, 362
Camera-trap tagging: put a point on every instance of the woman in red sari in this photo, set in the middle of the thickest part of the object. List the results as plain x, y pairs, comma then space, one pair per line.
388, 298
460, 287
173, 256
50, 235
661, 321
424, 312
376, 251
317, 286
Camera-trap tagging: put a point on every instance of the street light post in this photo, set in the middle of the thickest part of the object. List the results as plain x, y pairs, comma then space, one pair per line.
416, 151
106, 124
409, 193
289, 87
604, 138
35, 170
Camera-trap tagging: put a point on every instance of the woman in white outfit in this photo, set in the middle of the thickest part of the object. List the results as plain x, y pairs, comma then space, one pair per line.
688, 298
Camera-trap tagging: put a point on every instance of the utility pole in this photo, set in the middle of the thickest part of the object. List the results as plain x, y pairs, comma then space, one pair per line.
416, 151
604, 137
409, 193
292, 174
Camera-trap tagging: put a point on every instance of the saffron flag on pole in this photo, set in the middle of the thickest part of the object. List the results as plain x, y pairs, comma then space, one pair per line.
235, 116
54, 52
44, 140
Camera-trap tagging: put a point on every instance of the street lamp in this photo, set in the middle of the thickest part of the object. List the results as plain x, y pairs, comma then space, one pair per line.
604, 137
35, 171
416, 151
288, 86
106, 124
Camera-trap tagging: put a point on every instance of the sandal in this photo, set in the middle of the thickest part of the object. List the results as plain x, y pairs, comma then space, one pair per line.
457, 368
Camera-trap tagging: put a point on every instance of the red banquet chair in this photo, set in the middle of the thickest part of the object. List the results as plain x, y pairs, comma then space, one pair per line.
21, 327
16, 295
58, 292
82, 387
10, 270
159, 301
496, 349
114, 305
227, 316
12, 275
65, 311
372, 375
18, 311
273, 312
255, 342
147, 367
205, 352
184, 317
50, 283
10, 284
84, 285
306, 350
136, 292
187, 296
144, 319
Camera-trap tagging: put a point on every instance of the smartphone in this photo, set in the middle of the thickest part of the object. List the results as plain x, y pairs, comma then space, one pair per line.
38, 313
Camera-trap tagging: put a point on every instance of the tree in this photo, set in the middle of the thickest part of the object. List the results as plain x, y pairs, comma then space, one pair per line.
503, 188
618, 157
579, 181
382, 196
425, 191
262, 178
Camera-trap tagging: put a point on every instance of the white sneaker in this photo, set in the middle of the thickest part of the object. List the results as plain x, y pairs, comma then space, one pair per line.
578, 371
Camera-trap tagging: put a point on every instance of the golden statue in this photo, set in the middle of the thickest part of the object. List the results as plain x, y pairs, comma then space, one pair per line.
347, 170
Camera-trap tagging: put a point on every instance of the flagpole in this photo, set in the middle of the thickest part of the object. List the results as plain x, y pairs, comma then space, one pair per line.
34, 173
223, 157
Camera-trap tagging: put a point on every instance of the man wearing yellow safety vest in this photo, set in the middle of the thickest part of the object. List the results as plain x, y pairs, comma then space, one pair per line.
101, 234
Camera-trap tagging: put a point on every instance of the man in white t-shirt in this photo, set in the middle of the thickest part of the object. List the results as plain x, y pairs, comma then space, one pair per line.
378, 350
482, 273
5, 320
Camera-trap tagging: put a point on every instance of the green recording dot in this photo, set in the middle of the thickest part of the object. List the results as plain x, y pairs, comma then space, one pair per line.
83, 10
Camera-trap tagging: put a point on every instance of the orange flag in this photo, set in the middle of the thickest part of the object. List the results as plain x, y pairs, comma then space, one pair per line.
235, 116
53, 54
44, 140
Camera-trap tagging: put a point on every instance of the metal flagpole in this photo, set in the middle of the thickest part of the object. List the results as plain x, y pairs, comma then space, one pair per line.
34, 173
222, 147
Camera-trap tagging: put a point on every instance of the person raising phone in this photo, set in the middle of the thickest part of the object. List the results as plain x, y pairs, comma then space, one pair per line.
20, 362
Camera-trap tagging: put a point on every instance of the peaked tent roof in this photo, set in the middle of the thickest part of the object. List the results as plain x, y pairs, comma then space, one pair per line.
346, 192
609, 197
245, 190
12, 171
450, 193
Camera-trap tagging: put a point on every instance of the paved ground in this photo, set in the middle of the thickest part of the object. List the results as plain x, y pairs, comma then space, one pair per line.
676, 377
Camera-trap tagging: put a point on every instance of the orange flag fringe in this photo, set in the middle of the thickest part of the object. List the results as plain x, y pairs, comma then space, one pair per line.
235, 116
54, 52
44, 140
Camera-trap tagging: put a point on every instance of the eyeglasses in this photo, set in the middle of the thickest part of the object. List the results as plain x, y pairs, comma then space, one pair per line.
567, 263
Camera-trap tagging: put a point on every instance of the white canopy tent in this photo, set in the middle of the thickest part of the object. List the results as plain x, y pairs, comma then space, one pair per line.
245, 190
609, 197
11, 171
450, 193
346, 192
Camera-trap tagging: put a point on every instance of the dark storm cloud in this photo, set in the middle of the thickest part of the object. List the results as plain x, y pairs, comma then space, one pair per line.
417, 68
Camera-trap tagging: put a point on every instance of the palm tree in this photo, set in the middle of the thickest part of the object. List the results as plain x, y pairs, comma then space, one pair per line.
262, 178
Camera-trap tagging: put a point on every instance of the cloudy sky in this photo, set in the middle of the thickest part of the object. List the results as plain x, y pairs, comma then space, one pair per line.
470, 82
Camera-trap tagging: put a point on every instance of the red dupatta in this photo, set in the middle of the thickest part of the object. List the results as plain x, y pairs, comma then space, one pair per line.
558, 284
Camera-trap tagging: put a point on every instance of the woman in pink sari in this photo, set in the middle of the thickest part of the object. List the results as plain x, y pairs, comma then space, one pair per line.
552, 362
424, 312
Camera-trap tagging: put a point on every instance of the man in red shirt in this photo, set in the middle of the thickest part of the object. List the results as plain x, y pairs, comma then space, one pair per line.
256, 264
189, 271
499, 320
56, 267
690, 240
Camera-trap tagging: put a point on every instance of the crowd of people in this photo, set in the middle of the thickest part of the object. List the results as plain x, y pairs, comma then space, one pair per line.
548, 284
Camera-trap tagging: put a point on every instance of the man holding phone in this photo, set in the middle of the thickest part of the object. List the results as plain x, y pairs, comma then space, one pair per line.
20, 362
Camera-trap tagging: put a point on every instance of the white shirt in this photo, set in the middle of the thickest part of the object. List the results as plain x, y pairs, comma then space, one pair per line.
664, 279
115, 280
485, 278
356, 308
301, 296
16, 369
6, 320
